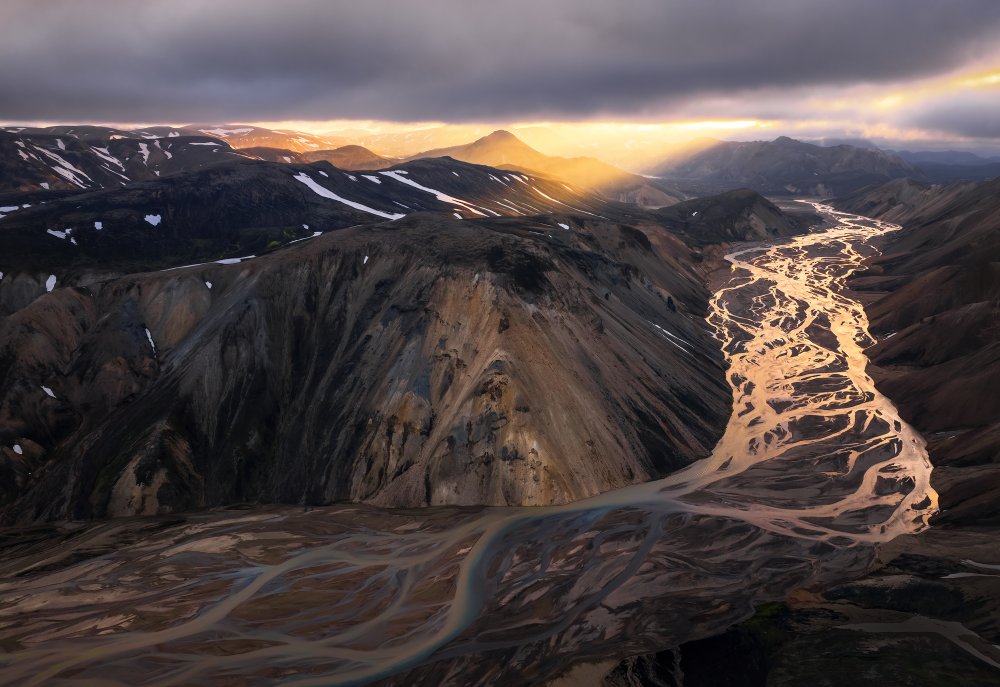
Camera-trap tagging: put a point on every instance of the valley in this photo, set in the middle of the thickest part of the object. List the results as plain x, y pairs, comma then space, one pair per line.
522, 344
814, 470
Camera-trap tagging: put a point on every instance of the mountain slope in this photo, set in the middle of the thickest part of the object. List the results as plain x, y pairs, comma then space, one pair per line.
244, 207
422, 361
785, 166
78, 158
936, 307
740, 215
503, 149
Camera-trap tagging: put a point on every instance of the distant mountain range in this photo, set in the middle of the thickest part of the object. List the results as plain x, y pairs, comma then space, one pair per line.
504, 150
943, 167
784, 166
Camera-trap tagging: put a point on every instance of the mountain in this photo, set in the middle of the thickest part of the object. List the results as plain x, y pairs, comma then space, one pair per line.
784, 166
247, 136
242, 207
740, 215
439, 332
351, 157
945, 157
499, 360
935, 304
76, 158
505, 150
946, 174
410, 142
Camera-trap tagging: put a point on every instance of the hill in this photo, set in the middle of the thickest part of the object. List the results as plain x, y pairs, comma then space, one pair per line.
740, 215
351, 157
77, 158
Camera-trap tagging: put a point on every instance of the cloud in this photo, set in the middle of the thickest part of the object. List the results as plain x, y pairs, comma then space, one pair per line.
969, 115
230, 60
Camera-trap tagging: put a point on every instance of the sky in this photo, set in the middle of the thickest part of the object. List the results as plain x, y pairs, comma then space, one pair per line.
917, 74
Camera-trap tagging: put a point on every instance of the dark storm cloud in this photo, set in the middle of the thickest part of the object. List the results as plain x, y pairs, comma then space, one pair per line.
454, 60
970, 115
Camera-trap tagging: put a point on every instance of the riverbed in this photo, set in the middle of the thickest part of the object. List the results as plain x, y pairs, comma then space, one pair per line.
815, 469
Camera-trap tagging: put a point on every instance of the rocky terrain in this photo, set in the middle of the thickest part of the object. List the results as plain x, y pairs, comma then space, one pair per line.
239, 208
783, 167
418, 362
435, 333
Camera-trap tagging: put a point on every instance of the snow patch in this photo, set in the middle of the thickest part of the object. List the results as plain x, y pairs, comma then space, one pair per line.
564, 226
226, 132
50, 283
371, 178
98, 225
163, 150
444, 197
17, 449
149, 337
65, 169
208, 284
144, 151
674, 339
205, 143
365, 261
306, 238
458, 215
234, 261
48, 391
322, 173
153, 219
106, 155
326, 193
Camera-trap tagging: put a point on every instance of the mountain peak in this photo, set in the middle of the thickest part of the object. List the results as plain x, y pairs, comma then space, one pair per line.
501, 136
